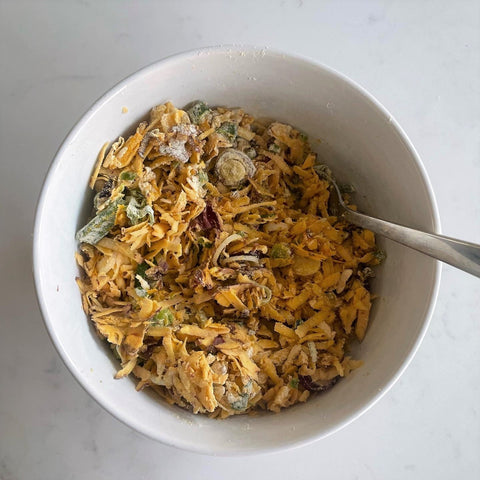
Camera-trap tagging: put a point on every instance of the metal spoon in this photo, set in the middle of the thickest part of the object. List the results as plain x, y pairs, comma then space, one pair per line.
460, 254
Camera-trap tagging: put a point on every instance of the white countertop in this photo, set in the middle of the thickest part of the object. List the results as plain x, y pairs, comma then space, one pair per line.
420, 59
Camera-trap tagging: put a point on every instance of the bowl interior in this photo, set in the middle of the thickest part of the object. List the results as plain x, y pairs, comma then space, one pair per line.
350, 132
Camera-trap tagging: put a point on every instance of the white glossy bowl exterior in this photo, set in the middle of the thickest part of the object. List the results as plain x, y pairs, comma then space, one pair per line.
362, 144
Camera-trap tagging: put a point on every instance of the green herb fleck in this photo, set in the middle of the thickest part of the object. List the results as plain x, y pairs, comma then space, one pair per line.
137, 209
323, 170
275, 148
197, 111
280, 250
163, 318
228, 130
199, 180
380, 255
140, 271
128, 176
205, 242
241, 403
293, 383
202, 177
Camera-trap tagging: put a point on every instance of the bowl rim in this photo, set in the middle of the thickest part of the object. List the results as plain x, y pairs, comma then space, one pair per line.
185, 444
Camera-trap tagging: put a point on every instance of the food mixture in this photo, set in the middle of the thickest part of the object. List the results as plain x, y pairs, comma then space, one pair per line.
214, 267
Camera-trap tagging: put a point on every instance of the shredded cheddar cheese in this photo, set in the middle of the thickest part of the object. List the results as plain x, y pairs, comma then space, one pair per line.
214, 268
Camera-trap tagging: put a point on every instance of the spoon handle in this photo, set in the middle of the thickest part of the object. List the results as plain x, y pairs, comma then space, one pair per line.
460, 254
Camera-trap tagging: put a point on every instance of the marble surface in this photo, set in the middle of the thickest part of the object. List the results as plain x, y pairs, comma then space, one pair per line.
420, 59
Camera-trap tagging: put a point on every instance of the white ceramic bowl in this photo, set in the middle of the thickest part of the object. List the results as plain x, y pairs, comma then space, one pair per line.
362, 144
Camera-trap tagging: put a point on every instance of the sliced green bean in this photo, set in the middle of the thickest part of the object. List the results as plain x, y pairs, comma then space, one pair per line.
100, 225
